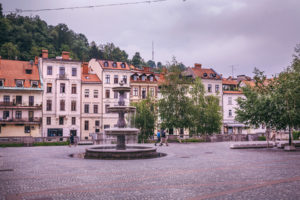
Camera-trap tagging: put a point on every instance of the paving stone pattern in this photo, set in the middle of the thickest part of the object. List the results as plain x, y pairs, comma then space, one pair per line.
189, 171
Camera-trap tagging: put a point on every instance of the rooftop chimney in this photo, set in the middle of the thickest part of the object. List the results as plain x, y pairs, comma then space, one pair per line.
85, 68
44, 53
36, 60
198, 66
65, 55
147, 69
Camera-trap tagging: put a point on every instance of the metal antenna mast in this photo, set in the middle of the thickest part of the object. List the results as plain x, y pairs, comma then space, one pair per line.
152, 51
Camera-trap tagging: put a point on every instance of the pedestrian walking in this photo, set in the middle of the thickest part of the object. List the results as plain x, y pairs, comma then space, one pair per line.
158, 137
71, 142
164, 138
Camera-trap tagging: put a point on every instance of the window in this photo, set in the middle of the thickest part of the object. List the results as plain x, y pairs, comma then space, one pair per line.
62, 88
86, 93
106, 126
151, 78
61, 71
6, 99
114, 64
73, 106
135, 91
209, 88
74, 71
95, 108
18, 99
205, 74
61, 120
135, 77
18, 114
107, 94
151, 92
229, 100
48, 120
62, 105
230, 113
97, 123
86, 108
95, 93
116, 79
49, 70
86, 125
115, 95
49, 105
106, 108
217, 88
34, 84
19, 83
73, 120
123, 65
143, 77
27, 129
49, 87
31, 100
28, 71
125, 79
74, 89
143, 93
107, 78
105, 64
1, 83
5, 114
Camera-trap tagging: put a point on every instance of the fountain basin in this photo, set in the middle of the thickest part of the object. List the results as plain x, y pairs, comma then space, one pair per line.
124, 109
131, 152
121, 131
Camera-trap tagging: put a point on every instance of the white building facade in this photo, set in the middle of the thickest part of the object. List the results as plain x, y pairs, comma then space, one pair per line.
61, 97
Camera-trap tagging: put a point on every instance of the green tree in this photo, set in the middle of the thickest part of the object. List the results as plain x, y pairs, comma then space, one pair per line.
175, 105
111, 52
137, 60
145, 118
151, 63
9, 51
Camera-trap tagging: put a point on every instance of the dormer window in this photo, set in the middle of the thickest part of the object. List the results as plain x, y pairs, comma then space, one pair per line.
19, 83
143, 77
28, 71
151, 78
134, 77
34, 84
1, 83
105, 64
114, 64
205, 74
123, 65
211, 75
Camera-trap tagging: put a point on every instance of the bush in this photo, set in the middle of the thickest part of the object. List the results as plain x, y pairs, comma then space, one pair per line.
50, 143
296, 135
191, 140
11, 145
262, 138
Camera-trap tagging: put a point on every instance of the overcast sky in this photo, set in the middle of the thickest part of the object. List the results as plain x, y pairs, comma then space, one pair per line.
215, 33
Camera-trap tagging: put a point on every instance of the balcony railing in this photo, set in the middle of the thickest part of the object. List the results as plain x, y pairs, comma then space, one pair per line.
33, 120
62, 76
18, 105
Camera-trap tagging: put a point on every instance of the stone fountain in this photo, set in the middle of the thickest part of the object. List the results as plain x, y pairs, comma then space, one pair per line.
121, 150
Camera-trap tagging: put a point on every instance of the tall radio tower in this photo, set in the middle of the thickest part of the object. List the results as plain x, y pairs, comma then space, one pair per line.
152, 51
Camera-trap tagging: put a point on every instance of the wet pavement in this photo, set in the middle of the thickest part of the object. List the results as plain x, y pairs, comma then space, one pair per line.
189, 171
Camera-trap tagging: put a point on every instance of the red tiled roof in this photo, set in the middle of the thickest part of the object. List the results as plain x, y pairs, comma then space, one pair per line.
229, 82
110, 65
199, 72
10, 70
232, 92
90, 78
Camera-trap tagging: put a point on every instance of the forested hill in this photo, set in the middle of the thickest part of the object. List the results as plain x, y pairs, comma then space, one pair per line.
23, 38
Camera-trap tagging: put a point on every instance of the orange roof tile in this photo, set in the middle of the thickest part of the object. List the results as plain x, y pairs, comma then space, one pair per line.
10, 70
229, 82
232, 92
90, 78
110, 65
200, 72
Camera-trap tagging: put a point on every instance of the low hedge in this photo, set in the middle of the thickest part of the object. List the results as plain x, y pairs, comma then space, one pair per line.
190, 140
11, 145
261, 138
50, 143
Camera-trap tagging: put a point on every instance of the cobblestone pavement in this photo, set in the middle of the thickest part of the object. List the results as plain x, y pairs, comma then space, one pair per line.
189, 171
